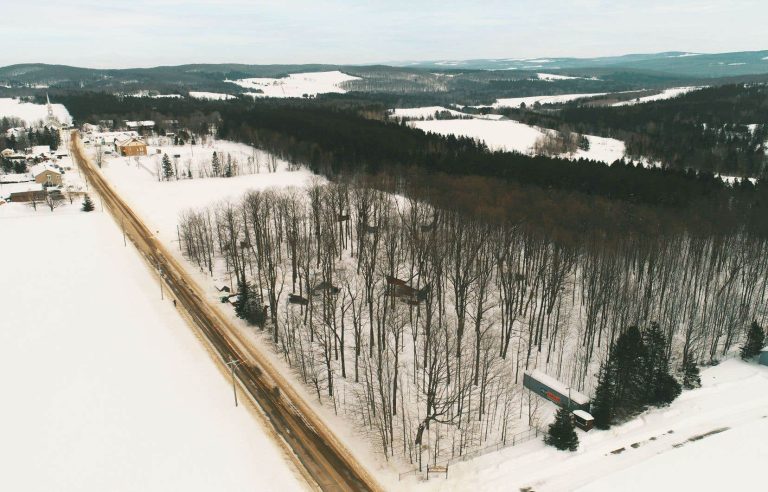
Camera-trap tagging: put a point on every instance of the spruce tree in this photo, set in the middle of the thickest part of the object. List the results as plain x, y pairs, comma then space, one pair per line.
215, 164
691, 378
754, 342
167, 167
603, 402
562, 432
660, 387
87, 204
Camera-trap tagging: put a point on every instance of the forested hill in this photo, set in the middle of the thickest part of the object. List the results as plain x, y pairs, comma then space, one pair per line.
349, 141
716, 129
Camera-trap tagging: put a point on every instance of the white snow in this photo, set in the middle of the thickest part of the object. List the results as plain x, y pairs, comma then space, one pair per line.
736, 64
425, 112
516, 102
161, 202
684, 55
552, 76
665, 94
514, 136
297, 84
32, 113
663, 449
104, 385
498, 135
216, 96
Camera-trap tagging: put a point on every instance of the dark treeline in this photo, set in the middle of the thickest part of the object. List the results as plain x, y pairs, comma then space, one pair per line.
704, 129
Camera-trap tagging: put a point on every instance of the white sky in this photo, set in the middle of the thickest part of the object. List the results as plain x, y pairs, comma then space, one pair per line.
108, 33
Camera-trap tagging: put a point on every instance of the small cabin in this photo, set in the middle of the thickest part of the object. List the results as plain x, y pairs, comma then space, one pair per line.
763, 359
583, 420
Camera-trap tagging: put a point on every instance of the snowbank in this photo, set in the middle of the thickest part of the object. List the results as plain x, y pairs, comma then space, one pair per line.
104, 385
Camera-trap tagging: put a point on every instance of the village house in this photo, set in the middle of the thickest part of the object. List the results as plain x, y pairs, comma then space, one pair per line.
131, 147
46, 174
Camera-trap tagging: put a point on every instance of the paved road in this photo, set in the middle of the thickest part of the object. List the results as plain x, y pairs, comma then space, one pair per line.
322, 458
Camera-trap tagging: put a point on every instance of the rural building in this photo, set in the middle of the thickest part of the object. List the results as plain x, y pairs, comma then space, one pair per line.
27, 196
555, 391
131, 147
7, 152
46, 174
763, 357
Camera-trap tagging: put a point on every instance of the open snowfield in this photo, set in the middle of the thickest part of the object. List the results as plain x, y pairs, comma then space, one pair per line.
665, 94
161, 202
297, 84
104, 385
514, 136
663, 449
424, 112
216, 96
516, 102
32, 113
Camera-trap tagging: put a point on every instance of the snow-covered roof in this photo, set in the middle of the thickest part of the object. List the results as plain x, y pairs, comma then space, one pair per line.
556, 385
40, 149
16, 178
38, 169
129, 141
134, 124
583, 415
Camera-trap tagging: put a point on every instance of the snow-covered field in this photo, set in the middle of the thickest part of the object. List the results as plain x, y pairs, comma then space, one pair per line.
515, 136
216, 96
32, 113
424, 112
161, 202
516, 102
665, 94
297, 84
104, 385
663, 449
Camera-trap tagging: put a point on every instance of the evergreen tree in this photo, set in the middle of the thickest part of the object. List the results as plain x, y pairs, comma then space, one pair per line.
228, 169
167, 167
661, 387
215, 164
87, 204
754, 343
691, 378
562, 432
247, 306
603, 402
626, 358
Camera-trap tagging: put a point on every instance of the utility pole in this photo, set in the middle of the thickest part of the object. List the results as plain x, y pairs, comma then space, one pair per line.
232, 364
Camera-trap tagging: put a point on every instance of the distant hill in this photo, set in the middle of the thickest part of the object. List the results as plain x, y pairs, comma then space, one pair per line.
673, 63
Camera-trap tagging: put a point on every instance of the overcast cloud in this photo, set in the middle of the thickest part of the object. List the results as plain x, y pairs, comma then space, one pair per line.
169, 32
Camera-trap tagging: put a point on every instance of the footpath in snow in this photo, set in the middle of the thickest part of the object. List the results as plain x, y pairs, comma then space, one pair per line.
104, 385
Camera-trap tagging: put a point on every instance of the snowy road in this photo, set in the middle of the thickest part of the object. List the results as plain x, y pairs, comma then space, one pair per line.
323, 458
